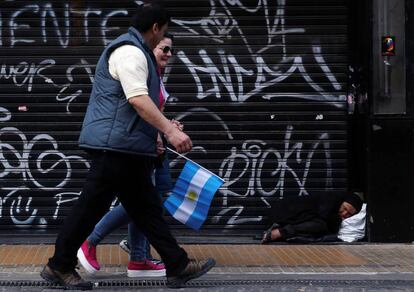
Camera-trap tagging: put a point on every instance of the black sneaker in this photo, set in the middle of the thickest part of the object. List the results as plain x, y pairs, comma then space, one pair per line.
70, 280
194, 269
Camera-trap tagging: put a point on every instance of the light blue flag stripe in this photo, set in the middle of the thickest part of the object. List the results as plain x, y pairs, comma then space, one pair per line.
180, 189
192, 194
202, 185
204, 202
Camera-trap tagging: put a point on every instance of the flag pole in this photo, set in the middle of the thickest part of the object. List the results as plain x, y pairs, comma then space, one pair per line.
173, 151
188, 159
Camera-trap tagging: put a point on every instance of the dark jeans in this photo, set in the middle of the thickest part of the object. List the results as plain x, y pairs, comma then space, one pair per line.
129, 178
139, 246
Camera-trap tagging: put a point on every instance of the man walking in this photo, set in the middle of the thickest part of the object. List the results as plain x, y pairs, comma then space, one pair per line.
120, 132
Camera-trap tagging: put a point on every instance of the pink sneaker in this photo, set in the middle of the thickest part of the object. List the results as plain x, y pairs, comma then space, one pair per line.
87, 258
145, 268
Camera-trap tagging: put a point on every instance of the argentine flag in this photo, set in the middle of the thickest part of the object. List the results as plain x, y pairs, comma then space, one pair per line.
192, 194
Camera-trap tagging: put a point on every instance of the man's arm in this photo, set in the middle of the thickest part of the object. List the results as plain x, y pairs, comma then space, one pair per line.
151, 114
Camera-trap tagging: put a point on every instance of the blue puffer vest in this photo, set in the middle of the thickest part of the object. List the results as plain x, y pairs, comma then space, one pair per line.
111, 123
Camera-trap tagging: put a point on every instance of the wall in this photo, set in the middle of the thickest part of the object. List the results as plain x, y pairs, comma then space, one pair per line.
259, 85
391, 143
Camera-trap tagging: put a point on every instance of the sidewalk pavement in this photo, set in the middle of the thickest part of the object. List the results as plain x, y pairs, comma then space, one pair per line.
393, 262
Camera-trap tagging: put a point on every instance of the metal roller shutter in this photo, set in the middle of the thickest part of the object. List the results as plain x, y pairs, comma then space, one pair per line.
259, 85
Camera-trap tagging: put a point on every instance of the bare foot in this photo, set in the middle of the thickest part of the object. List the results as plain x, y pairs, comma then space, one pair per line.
274, 235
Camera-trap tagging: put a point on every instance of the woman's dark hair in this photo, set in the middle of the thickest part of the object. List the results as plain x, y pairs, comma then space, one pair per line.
148, 14
169, 36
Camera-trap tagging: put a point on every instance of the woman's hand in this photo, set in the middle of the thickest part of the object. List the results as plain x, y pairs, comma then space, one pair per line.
160, 145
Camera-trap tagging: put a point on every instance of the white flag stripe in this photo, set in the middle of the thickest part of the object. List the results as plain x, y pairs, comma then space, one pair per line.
188, 205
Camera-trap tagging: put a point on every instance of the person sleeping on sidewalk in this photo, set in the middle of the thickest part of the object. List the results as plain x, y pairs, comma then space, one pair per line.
310, 218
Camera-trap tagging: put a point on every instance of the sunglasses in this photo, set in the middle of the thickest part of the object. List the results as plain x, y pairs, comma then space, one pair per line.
167, 49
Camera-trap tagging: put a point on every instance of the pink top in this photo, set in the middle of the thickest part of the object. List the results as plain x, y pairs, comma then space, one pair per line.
163, 92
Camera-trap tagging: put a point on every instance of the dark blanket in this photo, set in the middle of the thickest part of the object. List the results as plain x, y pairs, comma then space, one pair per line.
293, 210
310, 216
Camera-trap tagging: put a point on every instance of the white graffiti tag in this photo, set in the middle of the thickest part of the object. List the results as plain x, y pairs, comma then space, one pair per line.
54, 24
251, 160
271, 64
16, 210
22, 159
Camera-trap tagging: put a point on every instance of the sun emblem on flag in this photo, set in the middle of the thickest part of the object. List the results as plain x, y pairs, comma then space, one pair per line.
192, 195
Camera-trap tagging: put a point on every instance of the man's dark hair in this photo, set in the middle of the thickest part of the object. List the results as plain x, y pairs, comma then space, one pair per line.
169, 36
148, 14
354, 200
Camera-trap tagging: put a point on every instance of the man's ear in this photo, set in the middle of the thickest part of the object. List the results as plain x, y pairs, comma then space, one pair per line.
155, 28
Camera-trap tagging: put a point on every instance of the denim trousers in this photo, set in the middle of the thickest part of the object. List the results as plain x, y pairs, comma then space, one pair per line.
118, 217
129, 178
114, 219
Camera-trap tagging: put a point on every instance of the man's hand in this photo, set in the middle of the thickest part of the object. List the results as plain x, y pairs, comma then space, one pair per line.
181, 142
147, 110
179, 125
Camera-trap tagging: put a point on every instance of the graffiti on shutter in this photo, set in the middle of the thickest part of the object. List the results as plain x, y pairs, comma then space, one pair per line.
260, 88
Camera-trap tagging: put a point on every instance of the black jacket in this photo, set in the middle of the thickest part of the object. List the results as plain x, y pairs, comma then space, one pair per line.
320, 213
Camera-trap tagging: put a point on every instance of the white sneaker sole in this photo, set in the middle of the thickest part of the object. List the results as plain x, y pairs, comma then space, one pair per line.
84, 262
144, 273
